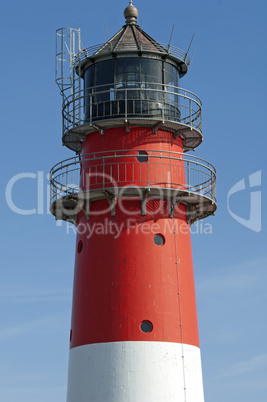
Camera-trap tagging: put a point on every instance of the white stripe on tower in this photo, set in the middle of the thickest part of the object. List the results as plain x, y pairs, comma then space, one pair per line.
135, 372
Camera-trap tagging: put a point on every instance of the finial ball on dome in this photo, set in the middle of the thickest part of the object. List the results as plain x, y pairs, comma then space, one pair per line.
131, 13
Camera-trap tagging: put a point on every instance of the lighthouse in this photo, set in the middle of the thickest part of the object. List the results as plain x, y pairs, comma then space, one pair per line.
133, 190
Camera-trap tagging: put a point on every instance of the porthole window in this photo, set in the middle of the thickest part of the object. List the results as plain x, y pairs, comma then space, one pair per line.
159, 239
146, 326
80, 246
142, 156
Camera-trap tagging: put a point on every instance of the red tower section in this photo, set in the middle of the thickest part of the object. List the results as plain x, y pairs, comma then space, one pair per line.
133, 193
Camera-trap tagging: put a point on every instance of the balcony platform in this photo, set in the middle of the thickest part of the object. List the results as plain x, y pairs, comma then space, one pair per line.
179, 178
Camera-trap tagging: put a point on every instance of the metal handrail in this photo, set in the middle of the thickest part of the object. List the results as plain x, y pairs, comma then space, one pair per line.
198, 175
86, 53
121, 100
121, 153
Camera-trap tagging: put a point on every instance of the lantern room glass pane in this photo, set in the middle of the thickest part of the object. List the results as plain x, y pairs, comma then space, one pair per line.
171, 75
132, 86
171, 80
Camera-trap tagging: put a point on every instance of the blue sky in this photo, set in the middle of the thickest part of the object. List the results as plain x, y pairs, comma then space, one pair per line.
228, 73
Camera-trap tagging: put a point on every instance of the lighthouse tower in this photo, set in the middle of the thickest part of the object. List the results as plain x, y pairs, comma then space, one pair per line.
133, 191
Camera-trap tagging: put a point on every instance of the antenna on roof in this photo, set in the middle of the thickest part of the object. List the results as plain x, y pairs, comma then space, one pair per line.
189, 46
194, 54
106, 30
169, 44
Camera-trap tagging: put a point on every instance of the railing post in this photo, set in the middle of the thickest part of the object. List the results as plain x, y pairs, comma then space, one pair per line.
188, 175
148, 178
141, 97
164, 104
91, 108
103, 172
67, 180
63, 123
126, 111
190, 108
51, 187
213, 189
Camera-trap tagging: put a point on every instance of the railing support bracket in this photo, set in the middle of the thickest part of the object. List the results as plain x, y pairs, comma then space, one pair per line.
157, 126
100, 130
179, 133
111, 200
127, 125
174, 202
144, 201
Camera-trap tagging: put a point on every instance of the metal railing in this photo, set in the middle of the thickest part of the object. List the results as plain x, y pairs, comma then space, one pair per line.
102, 171
151, 47
126, 100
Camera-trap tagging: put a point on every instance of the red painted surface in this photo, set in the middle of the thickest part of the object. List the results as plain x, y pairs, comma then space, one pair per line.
121, 168
138, 138
121, 276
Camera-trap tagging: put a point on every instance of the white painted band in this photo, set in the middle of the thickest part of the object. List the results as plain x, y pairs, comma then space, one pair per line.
135, 372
